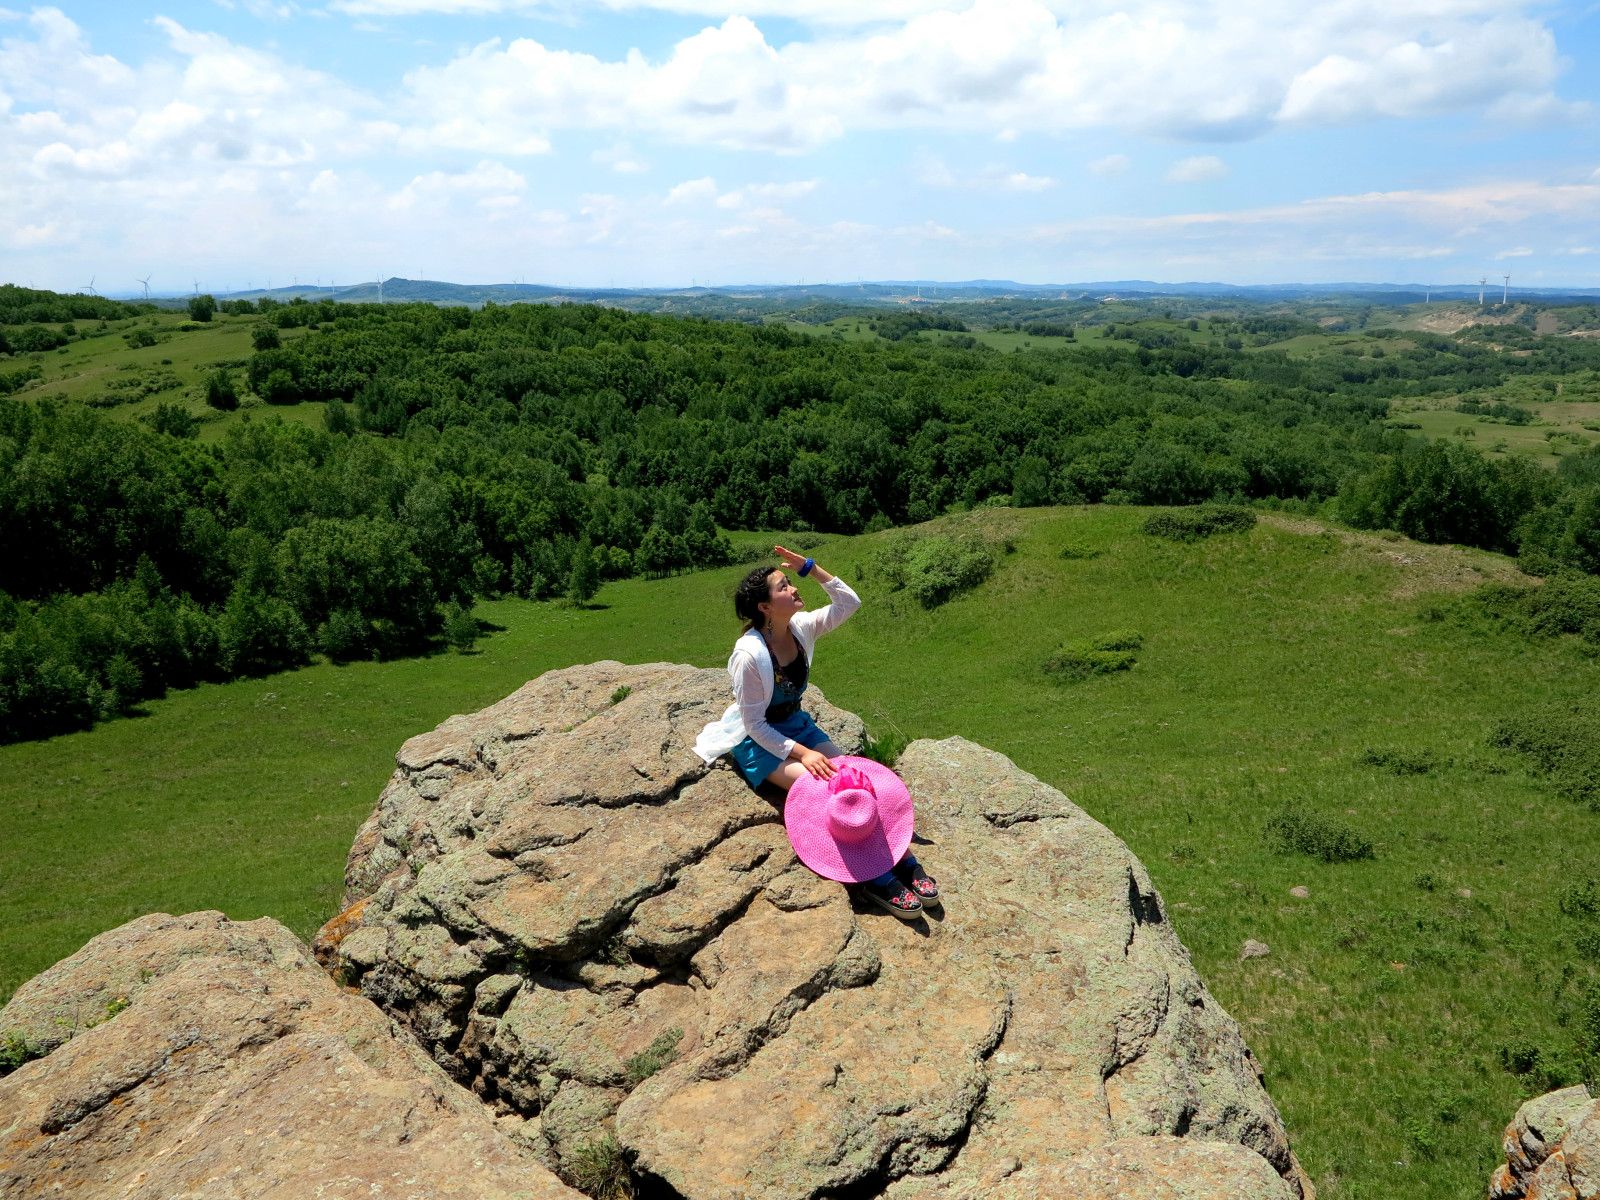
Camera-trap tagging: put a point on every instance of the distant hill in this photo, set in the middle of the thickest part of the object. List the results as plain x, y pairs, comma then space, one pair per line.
879, 292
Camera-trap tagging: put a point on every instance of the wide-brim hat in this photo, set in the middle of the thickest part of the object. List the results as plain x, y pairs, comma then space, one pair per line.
853, 827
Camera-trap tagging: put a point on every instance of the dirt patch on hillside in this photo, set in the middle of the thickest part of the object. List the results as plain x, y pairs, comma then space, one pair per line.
1419, 569
1456, 318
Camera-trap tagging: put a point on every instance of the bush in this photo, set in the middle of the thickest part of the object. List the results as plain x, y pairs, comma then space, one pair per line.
1563, 744
1085, 658
1401, 762
220, 392
15, 1049
138, 339
1192, 524
202, 308
460, 627
935, 569
1296, 831
173, 420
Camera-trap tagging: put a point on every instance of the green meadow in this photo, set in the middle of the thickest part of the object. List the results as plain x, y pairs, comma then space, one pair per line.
1292, 667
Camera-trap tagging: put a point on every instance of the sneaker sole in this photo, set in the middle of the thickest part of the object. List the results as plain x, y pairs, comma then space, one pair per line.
905, 914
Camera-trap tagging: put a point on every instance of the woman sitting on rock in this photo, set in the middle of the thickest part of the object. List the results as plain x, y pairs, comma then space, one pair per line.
771, 739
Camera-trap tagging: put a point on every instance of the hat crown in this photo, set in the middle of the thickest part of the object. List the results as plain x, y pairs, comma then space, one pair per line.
852, 806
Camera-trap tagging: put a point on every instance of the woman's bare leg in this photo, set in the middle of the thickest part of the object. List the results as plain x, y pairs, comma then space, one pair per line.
783, 778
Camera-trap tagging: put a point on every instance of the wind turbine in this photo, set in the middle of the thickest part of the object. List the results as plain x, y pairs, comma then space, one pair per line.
145, 283
1481, 282
92, 292
1506, 291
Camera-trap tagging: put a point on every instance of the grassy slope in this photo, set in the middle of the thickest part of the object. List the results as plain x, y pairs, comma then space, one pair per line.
1271, 661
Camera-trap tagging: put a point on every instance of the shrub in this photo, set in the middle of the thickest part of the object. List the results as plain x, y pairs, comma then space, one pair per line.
1563, 744
461, 627
173, 420
1085, 658
345, 636
1296, 831
1400, 762
220, 392
1192, 524
1581, 900
935, 569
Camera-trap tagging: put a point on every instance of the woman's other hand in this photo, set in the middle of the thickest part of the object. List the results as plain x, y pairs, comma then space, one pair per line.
818, 764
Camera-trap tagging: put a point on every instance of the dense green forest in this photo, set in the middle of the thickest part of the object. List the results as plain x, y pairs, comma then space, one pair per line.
534, 450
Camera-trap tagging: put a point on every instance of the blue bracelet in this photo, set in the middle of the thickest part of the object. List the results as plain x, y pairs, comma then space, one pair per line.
806, 570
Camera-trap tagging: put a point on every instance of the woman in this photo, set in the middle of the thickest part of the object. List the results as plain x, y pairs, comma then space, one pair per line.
770, 738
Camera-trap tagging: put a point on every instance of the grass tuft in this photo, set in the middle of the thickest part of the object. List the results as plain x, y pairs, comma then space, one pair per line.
600, 1169
652, 1058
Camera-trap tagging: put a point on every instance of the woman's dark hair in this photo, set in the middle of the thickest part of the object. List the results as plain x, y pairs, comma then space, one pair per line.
751, 592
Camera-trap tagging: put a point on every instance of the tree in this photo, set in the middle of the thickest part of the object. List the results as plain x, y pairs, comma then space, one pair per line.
583, 579
220, 392
265, 337
202, 308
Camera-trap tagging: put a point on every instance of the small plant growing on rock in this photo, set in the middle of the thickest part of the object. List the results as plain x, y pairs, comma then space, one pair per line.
652, 1058
885, 750
1295, 831
599, 1169
621, 694
1085, 658
16, 1049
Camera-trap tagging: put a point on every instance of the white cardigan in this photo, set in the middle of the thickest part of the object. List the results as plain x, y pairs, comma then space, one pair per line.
750, 667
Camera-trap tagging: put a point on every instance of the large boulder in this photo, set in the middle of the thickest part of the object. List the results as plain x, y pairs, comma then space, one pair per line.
1552, 1149
601, 936
197, 1056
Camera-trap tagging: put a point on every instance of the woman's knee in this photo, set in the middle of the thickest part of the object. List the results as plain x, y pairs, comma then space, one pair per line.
783, 777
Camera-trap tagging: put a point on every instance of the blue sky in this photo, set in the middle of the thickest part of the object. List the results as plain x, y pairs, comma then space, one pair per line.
664, 142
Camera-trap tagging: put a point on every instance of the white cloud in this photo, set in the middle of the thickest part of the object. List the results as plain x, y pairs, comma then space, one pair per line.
1111, 164
621, 159
1515, 252
692, 191
1200, 168
932, 171
1581, 250
1175, 68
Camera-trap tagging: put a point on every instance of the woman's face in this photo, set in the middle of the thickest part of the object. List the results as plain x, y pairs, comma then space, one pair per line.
784, 598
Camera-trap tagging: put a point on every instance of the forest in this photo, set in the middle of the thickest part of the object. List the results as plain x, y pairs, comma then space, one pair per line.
535, 450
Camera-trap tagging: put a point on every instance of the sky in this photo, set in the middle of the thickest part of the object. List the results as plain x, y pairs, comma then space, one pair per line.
225, 144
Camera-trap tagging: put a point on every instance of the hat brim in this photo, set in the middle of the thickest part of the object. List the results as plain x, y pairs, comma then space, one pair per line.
805, 818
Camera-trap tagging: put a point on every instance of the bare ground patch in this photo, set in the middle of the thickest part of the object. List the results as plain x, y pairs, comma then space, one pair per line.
1420, 569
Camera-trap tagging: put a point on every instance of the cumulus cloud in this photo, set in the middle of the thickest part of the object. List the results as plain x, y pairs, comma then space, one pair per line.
1111, 164
1180, 69
1199, 168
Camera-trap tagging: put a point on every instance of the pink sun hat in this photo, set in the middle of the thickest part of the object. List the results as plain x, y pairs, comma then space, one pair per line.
853, 827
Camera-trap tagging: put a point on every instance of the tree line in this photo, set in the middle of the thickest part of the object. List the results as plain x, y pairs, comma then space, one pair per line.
536, 450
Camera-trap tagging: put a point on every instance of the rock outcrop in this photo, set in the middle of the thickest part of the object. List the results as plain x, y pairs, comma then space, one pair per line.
197, 1056
592, 930
1552, 1149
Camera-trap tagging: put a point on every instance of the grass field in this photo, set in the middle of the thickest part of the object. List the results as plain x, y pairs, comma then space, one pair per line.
1272, 662
1560, 428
